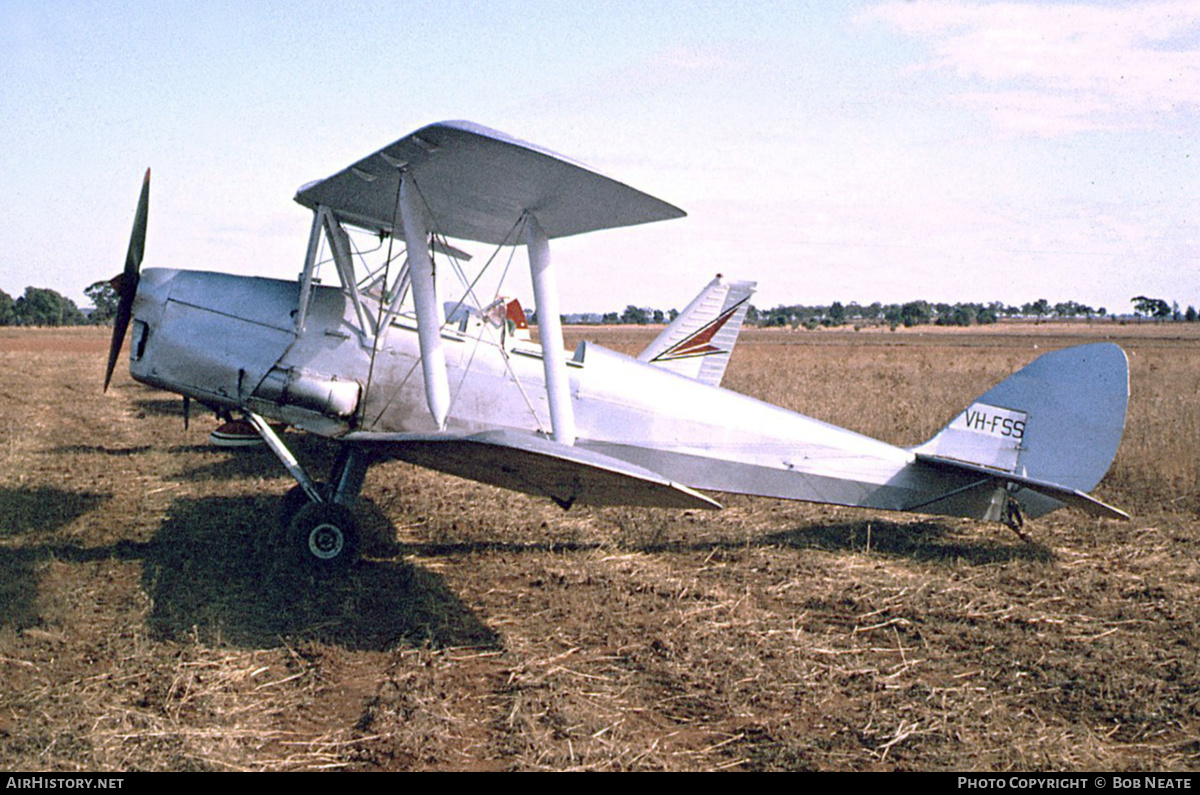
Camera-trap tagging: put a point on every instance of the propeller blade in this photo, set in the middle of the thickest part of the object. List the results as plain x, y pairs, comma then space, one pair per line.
127, 289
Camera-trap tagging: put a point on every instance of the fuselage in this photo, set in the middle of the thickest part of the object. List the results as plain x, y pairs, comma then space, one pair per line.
233, 342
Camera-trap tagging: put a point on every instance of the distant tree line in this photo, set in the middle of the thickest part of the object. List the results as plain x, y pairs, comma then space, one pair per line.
915, 313
41, 306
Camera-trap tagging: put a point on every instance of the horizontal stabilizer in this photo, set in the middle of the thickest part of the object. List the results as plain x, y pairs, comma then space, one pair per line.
535, 465
1064, 494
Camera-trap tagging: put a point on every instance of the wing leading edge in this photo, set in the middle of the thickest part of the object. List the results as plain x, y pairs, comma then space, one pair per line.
477, 182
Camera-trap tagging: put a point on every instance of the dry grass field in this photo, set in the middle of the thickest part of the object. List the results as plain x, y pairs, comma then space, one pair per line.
143, 628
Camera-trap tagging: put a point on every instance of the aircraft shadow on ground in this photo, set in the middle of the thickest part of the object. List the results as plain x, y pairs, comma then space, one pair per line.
221, 464
43, 509
931, 540
210, 568
32, 513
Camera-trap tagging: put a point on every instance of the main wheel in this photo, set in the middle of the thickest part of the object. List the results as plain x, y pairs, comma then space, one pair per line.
295, 499
324, 536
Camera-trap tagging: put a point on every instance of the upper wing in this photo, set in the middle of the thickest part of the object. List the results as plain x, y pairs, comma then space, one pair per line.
476, 183
537, 466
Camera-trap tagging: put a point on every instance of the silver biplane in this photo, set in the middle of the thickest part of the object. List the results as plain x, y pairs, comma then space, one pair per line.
380, 363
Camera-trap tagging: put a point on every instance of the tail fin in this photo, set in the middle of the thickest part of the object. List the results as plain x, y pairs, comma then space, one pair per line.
1049, 431
698, 342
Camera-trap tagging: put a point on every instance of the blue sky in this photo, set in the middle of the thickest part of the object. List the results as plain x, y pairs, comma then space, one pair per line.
855, 152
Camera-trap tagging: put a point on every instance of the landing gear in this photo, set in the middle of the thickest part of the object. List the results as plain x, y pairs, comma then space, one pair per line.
324, 536
1014, 519
295, 499
320, 536
317, 526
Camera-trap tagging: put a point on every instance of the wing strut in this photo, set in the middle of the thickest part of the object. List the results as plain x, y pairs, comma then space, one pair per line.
310, 265
545, 293
429, 310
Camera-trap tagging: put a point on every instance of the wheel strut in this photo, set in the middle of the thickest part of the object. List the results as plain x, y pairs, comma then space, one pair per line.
318, 526
285, 456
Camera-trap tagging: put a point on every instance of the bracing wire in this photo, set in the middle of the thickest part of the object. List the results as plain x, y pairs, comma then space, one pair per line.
379, 316
512, 234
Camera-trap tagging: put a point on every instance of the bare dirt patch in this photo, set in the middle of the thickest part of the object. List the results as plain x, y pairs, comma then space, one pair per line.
142, 625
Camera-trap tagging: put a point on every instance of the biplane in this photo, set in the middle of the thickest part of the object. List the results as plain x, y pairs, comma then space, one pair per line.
363, 348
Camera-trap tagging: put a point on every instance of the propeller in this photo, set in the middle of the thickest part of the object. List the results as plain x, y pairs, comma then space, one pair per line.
127, 283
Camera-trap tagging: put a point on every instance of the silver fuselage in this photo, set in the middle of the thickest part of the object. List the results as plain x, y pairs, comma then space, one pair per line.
232, 342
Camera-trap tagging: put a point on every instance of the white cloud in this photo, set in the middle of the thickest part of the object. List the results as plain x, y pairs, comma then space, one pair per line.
1053, 69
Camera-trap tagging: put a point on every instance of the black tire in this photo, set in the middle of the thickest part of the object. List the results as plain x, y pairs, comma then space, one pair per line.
295, 499
323, 536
